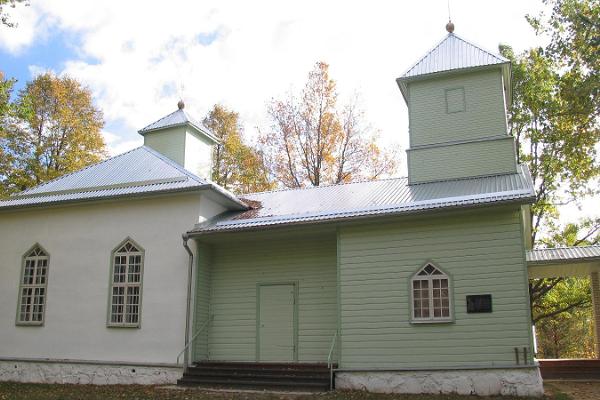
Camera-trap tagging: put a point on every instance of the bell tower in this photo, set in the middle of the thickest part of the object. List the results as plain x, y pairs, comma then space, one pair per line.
182, 139
457, 95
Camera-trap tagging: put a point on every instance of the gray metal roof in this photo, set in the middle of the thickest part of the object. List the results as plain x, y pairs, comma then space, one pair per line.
139, 171
178, 118
563, 254
451, 53
361, 199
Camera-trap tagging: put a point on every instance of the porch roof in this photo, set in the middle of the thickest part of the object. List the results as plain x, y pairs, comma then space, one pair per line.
367, 199
563, 261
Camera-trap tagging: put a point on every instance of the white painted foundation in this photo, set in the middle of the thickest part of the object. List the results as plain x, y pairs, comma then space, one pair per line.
481, 382
87, 373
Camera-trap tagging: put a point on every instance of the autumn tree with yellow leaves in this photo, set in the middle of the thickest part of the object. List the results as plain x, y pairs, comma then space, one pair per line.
236, 165
52, 128
313, 141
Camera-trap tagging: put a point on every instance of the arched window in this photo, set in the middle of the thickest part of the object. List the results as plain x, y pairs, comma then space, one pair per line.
431, 295
126, 285
32, 290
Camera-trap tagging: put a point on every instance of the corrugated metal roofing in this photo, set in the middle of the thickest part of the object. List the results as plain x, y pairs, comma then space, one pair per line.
390, 196
139, 171
453, 52
138, 165
177, 118
563, 254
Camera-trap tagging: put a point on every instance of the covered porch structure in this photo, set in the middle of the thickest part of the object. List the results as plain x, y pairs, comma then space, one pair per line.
581, 261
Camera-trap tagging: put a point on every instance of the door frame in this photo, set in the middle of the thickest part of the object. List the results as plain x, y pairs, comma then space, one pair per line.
295, 317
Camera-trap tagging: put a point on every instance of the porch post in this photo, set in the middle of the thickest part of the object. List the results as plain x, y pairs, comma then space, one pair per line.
595, 279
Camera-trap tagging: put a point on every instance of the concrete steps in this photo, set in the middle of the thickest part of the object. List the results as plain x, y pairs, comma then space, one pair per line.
258, 376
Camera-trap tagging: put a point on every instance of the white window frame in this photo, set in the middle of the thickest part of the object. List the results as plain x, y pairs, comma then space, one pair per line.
430, 278
125, 285
36, 259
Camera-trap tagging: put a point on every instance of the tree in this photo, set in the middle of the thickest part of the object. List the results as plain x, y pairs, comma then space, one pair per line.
55, 129
312, 141
236, 166
566, 334
555, 120
4, 17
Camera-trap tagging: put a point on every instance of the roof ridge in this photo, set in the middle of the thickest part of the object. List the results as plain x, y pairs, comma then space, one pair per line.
191, 175
174, 165
24, 192
426, 54
327, 186
496, 55
499, 57
160, 119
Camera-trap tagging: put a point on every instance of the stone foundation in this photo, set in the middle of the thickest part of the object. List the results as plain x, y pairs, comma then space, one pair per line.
87, 373
483, 382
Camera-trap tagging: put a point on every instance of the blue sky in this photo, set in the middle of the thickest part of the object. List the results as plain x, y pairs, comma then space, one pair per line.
140, 58
50, 53
138, 61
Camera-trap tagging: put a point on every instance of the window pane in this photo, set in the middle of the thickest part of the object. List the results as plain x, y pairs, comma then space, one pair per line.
119, 269
28, 272
135, 262
40, 273
429, 269
118, 302
133, 301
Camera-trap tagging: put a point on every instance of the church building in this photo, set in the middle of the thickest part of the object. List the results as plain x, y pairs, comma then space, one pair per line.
139, 269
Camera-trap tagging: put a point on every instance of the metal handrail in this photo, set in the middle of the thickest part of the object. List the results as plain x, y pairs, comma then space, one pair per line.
198, 332
330, 360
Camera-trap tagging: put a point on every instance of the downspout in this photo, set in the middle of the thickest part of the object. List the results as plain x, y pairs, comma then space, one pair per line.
189, 299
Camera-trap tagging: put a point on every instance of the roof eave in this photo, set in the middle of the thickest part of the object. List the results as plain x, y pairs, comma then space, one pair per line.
101, 198
229, 197
453, 71
505, 67
209, 135
518, 200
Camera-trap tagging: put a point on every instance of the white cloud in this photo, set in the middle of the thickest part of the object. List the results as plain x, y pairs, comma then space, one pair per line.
29, 27
116, 145
140, 57
136, 56
35, 70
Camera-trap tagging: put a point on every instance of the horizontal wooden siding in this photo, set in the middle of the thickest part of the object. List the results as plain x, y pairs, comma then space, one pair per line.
483, 254
236, 269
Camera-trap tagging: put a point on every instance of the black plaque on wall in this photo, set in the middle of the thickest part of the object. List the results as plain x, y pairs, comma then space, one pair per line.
479, 303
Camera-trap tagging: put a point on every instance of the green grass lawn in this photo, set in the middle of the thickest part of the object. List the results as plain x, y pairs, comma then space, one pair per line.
27, 391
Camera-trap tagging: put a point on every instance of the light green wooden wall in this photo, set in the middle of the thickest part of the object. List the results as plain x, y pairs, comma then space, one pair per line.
483, 253
202, 300
450, 145
169, 142
484, 114
237, 265
489, 157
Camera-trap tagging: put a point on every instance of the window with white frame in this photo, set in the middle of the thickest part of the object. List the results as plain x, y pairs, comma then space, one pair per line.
32, 290
431, 295
126, 285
